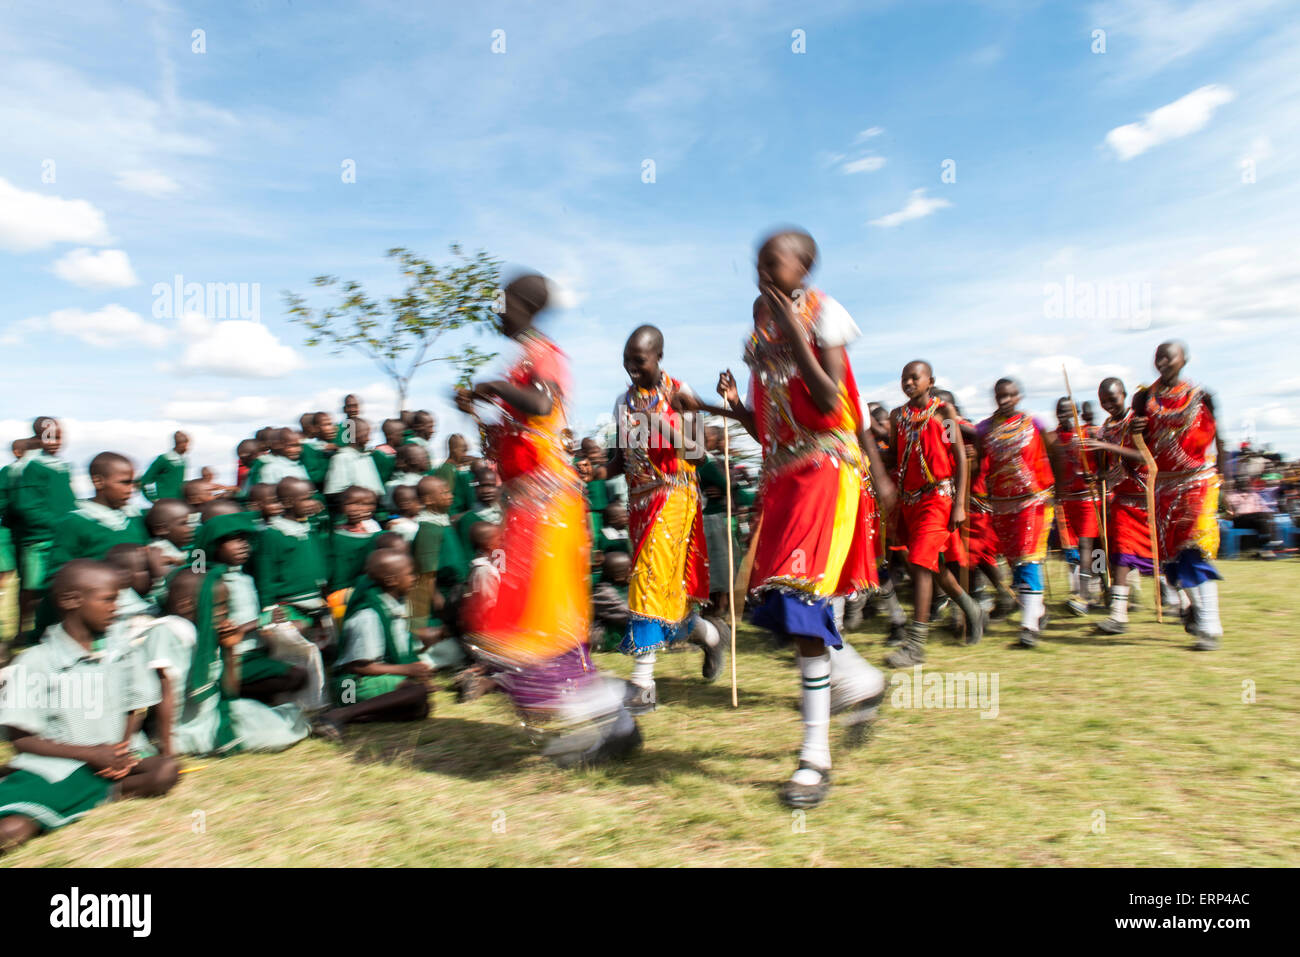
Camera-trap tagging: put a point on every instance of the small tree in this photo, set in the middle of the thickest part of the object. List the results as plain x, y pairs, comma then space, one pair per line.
399, 333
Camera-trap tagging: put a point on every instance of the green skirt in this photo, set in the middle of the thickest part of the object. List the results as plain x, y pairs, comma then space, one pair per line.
258, 664
349, 688
7, 562
53, 804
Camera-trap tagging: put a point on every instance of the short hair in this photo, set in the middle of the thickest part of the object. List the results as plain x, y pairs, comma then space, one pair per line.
805, 247
652, 335
928, 368
531, 289
1007, 380
42, 422
105, 462
163, 511
1110, 381
75, 575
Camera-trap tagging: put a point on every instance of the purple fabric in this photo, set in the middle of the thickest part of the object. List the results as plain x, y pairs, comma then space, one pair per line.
1189, 569
1143, 565
539, 688
792, 616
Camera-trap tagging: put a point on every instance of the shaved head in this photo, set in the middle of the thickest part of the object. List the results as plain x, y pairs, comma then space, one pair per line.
81, 575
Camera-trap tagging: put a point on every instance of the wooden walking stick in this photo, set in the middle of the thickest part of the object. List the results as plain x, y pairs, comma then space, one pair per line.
1150, 460
731, 563
965, 533
1092, 483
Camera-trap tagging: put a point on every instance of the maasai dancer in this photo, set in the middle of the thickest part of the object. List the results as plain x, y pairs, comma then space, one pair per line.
1078, 510
981, 542
670, 570
814, 538
1127, 529
1177, 418
1021, 456
537, 630
931, 474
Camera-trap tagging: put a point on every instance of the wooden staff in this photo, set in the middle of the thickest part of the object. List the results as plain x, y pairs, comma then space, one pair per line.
965, 531
731, 565
1150, 460
1092, 484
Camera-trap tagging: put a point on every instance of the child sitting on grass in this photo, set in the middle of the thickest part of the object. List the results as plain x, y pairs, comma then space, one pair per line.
71, 758
379, 675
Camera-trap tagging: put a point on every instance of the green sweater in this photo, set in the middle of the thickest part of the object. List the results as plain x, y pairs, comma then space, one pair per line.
42, 495
90, 530
461, 481
348, 553
164, 477
290, 562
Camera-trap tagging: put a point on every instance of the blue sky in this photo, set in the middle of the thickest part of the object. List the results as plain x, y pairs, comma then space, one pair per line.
1164, 167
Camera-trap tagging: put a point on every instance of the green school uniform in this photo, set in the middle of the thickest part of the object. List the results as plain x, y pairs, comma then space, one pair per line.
314, 460
164, 477
41, 496
91, 529
484, 513
597, 502
278, 467
291, 563
349, 467
57, 791
7, 556
375, 629
349, 549
614, 540
438, 550
384, 463
196, 722
460, 479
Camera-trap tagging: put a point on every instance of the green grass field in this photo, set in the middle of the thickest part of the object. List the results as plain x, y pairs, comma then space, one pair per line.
1156, 738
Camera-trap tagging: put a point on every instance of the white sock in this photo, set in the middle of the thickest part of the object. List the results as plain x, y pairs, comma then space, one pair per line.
1184, 598
643, 670
896, 614
837, 605
1119, 602
707, 633
1085, 584
1172, 599
1074, 579
853, 678
1135, 584
1206, 599
816, 681
1031, 609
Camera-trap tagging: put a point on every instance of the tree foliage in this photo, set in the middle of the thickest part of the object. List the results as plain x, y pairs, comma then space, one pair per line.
401, 333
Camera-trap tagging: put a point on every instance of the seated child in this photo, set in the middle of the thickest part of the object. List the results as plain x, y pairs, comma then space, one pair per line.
353, 538
484, 568
70, 758
265, 502
292, 556
224, 541
487, 489
135, 608
440, 560
613, 531
610, 612
192, 649
406, 505
378, 675
170, 534
412, 465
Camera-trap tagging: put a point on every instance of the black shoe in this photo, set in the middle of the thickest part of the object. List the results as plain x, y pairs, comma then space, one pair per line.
906, 655
588, 746
1077, 607
638, 700
716, 656
976, 620
1189, 619
1027, 639
807, 795
1206, 642
860, 719
1112, 627
897, 633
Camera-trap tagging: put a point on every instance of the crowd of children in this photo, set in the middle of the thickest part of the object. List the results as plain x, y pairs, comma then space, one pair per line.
337, 576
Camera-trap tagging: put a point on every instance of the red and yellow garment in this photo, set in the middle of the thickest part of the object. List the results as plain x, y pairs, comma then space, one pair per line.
1127, 530
815, 537
1076, 500
670, 569
926, 468
1181, 434
1019, 480
543, 605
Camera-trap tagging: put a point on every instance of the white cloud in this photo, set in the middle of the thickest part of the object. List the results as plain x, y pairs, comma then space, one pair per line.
918, 206
30, 220
1180, 118
223, 408
110, 327
235, 347
106, 269
868, 133
867, 164
1151, 34
151, 182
